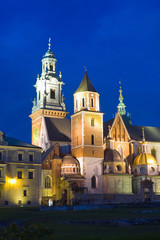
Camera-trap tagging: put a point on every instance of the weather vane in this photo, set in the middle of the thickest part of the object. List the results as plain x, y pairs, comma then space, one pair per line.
85, 68
49, 44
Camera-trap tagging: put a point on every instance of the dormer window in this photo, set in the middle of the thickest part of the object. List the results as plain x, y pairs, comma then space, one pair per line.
52, 94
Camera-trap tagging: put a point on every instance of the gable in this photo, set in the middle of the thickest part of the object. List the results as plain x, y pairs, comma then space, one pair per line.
118, 129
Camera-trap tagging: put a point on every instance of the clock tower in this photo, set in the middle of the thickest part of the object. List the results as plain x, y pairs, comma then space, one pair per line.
49, 102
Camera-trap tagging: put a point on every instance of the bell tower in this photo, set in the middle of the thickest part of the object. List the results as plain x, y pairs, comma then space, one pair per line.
87, 134
49, 101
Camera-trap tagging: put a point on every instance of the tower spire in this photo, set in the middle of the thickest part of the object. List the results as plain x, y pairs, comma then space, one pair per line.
121, 106
143, 134
144, 143
49, 44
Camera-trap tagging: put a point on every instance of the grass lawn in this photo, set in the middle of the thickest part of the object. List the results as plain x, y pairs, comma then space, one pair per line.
57, 221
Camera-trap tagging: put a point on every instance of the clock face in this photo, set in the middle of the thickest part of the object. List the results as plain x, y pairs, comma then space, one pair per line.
36, 135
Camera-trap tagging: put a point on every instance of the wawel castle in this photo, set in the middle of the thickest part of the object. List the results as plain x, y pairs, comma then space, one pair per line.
78, 158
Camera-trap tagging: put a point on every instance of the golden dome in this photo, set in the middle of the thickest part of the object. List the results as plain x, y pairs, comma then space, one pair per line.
144, 159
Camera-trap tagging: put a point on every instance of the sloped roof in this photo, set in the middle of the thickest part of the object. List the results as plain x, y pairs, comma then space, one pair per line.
152, 134
46, 154
86, 85
15, 142
59, 130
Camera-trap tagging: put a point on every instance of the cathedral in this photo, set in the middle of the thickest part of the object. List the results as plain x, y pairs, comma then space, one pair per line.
85, 158
79, 158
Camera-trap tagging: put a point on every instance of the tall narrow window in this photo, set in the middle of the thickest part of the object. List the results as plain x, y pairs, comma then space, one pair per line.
52, 94
153, 152
92, 103
25, 193
51, 67
93, 182
92, 139
76, 103
83, 102
77, 140
92, 122
39, 95
0, 155
47, 182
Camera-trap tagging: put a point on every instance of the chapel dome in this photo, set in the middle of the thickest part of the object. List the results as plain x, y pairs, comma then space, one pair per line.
144, 159
69, 159
112, 155
70, 165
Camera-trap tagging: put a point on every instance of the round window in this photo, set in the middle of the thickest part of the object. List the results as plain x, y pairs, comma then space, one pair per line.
119, 168
142, 170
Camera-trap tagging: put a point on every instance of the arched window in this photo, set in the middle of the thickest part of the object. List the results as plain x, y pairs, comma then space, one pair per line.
92, 122
153, 152
120, 150
52, 93
92, 139
93, 182
76, 103
47, 182
92, 103
119, 168
83, 102
51, 67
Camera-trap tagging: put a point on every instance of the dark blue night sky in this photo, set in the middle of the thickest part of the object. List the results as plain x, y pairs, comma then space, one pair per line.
114, 39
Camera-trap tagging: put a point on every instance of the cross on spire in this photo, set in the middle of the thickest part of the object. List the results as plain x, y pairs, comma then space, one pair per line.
49, 44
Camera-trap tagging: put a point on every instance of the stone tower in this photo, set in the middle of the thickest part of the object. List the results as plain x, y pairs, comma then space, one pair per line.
49, 102
87, 134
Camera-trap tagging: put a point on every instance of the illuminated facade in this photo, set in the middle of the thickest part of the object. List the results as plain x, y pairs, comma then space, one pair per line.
20, 173
87, 133
84, 156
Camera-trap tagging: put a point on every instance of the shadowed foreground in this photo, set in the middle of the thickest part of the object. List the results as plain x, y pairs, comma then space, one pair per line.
89, 224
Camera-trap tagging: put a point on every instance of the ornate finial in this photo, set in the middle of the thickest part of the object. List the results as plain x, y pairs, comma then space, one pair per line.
85, 68
121, 106
60, 74
143, 134
49, 44
120, 91
37, 75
